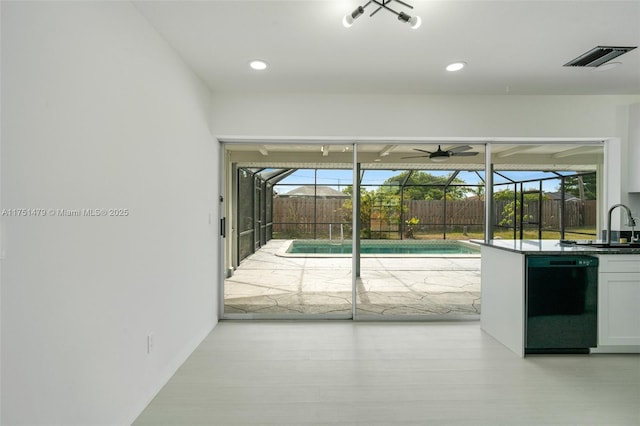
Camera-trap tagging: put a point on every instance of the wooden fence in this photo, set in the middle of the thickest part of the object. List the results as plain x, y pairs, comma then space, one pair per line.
306, 215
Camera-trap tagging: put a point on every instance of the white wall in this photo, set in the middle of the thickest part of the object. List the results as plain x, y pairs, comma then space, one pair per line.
633, 155
634, 204
421, 116
372, 116
98, 112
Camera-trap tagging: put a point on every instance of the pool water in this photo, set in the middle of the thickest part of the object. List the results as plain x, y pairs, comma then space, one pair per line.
383, 247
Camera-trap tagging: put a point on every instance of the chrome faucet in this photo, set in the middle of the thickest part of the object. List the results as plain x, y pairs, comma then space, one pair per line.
630, 221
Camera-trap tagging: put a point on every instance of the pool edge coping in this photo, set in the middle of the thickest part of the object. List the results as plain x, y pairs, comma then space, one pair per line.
282, 252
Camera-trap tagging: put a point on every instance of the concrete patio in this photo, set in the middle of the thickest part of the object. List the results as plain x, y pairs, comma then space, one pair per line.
271, 285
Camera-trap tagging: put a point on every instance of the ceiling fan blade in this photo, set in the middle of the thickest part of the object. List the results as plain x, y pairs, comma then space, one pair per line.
422, 150
459, 148
464, 154
417, 156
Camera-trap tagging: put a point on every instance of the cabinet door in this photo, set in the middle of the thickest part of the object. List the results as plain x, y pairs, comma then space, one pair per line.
618, 313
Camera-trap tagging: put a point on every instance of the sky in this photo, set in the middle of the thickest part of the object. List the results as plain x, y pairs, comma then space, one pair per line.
339, 179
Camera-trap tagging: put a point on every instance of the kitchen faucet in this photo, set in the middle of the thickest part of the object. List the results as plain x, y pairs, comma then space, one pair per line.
630, 221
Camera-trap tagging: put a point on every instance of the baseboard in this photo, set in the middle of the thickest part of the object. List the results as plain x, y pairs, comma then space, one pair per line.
627, 349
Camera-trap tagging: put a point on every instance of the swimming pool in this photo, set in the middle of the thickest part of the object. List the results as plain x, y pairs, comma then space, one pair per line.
381, 248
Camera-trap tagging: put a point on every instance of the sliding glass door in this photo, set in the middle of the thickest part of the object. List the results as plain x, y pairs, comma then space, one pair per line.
294, 260
379, 231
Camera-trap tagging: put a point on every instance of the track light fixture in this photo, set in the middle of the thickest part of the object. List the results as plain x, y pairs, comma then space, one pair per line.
413, 21
347, 21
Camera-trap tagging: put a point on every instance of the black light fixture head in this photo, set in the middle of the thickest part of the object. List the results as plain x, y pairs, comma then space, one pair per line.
414, 21
347, 21
404, 17
356, 13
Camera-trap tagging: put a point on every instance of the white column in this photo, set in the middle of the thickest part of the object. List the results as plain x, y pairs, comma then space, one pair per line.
355, 237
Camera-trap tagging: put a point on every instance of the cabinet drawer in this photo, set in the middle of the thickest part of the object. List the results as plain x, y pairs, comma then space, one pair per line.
619, 263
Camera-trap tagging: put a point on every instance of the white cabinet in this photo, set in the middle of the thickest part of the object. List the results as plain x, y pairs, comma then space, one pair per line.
619, 300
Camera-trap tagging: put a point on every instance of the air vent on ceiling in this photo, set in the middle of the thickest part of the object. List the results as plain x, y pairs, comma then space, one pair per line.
598, 56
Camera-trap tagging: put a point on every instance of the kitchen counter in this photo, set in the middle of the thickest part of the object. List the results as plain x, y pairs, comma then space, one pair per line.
504, 267
554, 247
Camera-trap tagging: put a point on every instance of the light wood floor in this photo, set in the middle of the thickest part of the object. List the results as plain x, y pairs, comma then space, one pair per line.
395, 373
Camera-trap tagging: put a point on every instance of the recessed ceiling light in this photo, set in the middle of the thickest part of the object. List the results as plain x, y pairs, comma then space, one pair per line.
606, 66
258, 65
456, 66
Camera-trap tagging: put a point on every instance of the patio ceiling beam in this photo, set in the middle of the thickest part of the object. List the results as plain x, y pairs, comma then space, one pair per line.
515, 150
387, 150
576, 151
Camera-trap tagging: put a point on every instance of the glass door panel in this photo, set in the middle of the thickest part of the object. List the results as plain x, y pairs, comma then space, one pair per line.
414, 263
580, 207
301, 265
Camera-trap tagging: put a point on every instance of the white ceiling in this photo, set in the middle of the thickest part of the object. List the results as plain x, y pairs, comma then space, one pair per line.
515, 47
552, 155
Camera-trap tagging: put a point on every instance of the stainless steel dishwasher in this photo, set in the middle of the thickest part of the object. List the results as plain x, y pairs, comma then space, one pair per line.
561, 301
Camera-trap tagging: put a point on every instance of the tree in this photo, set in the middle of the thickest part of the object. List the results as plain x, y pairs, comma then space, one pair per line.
382, 206
583, 186
510, 215
366, 198
425, 186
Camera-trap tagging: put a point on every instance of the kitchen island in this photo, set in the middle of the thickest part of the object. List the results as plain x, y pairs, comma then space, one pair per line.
504, 310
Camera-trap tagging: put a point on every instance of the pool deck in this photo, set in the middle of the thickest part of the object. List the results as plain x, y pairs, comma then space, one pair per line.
266, 284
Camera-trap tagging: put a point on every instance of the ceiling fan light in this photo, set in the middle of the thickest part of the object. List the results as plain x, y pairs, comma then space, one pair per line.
347, 21
415, 22
440, 159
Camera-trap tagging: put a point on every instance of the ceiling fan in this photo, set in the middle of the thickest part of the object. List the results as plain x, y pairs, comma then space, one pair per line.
442, 155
